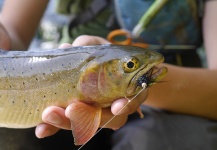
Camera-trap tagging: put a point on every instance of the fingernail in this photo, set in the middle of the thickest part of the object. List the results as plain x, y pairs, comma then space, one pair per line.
42, 133
47, 133
120, 110
53, 118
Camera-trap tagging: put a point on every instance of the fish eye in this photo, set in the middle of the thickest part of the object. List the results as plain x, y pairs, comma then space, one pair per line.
131, 64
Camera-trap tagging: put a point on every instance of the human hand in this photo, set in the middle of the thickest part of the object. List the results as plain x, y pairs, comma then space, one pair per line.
56, 118
4, 38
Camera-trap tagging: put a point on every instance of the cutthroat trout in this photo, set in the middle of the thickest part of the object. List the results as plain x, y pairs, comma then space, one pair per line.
30, 81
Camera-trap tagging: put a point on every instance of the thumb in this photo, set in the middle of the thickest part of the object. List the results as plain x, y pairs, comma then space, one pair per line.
89, 40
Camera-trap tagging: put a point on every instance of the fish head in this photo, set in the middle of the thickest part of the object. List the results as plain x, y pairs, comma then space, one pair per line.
117, 71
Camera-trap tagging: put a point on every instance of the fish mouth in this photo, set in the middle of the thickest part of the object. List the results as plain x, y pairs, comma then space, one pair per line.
145, 77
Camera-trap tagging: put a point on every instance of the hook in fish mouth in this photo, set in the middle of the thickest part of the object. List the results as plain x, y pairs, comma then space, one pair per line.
148, 78
152, 76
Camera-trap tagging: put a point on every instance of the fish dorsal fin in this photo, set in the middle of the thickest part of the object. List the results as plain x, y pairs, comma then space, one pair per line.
85, 120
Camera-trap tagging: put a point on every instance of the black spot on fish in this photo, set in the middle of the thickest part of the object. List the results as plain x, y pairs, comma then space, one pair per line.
118, 83
55, 93
44, 96
24, 101
23, 83
13, 102
36, 79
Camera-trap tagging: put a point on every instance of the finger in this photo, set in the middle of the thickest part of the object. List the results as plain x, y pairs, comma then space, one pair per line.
89, 40
43, 130
108, 120
65, 45
128, 106
56, 116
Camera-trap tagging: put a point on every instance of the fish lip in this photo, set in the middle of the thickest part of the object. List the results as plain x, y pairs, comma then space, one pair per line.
133, 87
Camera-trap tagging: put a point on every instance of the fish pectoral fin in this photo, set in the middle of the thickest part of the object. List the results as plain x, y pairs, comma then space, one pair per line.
85, 120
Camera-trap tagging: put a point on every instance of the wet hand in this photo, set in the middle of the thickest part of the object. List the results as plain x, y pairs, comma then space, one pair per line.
56, 118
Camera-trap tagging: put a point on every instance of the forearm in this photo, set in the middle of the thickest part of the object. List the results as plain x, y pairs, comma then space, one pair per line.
20, 19
190, 90
186, 90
